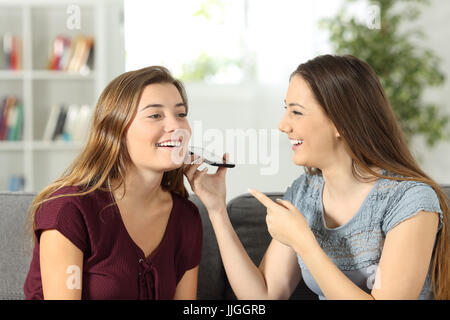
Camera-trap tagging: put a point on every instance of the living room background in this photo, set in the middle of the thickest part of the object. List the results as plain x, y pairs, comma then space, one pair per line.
235, 58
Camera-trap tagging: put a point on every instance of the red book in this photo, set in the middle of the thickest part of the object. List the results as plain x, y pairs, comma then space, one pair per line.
58, 49
9, 104
13, 57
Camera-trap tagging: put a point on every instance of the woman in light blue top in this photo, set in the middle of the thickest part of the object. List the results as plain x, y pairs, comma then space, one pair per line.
363, 222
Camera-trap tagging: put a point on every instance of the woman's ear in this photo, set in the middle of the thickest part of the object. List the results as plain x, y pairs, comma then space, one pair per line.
336, 133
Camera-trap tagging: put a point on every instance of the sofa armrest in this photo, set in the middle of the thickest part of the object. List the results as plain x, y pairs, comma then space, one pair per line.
15, 250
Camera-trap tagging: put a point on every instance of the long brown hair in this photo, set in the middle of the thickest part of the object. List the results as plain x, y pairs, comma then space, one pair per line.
105, 156
352, 96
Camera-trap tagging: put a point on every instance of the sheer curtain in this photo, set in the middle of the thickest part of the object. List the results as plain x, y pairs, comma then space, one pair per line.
249, 40
235, 58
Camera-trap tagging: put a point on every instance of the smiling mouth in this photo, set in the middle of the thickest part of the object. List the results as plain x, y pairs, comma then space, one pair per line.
296, 143
169, 143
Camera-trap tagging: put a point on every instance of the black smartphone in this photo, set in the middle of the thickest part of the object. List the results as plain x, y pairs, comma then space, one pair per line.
209, 157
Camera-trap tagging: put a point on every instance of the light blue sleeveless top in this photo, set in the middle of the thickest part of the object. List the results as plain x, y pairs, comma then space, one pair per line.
356, 247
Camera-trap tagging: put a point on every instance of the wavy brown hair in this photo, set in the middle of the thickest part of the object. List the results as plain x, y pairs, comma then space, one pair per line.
352, 96
105, 156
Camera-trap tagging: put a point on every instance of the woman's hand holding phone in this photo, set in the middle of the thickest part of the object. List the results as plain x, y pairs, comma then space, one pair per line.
210, 188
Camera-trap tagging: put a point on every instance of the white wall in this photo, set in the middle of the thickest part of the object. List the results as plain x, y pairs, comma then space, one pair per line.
259, 107
434, 22
115, 39
248, 108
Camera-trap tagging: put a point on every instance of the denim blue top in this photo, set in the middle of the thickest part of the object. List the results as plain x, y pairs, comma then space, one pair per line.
356, 247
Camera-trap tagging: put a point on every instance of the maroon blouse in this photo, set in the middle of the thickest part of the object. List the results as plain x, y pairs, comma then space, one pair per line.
114, 267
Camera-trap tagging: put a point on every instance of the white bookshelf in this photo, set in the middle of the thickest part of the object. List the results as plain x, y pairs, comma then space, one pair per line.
38, 22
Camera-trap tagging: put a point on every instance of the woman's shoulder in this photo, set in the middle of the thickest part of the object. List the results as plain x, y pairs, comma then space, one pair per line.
60, 197
186, 219
398, 200
401, 187
185, 206
64, 211
71, 198
394, 192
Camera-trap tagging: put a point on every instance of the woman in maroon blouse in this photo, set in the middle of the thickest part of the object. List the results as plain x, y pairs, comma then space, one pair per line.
117, 224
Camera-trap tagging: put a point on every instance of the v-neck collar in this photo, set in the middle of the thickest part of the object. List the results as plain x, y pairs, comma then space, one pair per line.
361, 208
163, 240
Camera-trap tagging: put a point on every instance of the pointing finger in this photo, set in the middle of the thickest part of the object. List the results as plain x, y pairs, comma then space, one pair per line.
261, 197
286, 204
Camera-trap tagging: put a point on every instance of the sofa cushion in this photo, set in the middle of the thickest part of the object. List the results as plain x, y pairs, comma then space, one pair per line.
15, 244
446, 189
16, 250
211, 275
246, 214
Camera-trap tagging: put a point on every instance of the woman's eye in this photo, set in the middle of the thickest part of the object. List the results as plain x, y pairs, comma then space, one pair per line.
294, 112
154, 116
182, 115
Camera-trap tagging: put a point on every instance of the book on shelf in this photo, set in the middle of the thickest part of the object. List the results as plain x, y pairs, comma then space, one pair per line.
72, 55
16, 183
12, 51
60, 49
68, 123
58, 131
11, 119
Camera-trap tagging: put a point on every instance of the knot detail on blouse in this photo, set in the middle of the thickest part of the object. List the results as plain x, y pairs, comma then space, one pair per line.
148, 281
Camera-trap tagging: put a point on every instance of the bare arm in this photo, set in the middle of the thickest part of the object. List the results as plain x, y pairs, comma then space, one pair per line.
406, 257
277, 276
187, 287
281, 270
61, 267
403, 264
402, 269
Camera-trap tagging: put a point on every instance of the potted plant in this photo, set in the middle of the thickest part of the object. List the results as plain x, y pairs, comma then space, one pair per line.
405, 69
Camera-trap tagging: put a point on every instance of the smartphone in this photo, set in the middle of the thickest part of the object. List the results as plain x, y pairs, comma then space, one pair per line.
209, 157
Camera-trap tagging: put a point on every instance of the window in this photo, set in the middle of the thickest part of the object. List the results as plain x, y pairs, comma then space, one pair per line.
223, 41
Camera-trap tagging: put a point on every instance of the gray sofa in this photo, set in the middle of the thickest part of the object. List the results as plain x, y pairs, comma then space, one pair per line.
248, 217
246, 213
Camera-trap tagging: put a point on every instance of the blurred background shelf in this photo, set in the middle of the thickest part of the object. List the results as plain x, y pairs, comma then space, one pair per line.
11, 74
40, 145
56, 146
11, 146
59, 75
44, 75
231, 63
36, 24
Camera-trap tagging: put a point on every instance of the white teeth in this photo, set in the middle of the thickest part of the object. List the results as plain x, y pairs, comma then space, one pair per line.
169, 144
295, 142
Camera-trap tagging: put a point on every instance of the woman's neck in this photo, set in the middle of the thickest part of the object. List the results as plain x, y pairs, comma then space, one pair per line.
138, 188
342, 184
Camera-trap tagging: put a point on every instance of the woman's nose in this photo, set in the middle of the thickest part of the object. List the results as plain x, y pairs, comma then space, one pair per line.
284, 125
172, 124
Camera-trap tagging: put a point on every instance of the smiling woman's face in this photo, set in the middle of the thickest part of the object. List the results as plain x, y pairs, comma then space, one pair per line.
313, 136
159, 130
